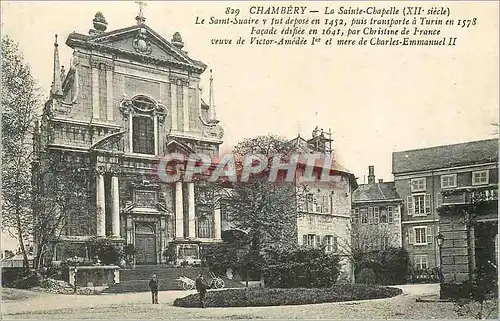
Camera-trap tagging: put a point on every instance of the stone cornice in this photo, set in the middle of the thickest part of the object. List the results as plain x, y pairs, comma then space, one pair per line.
75, 42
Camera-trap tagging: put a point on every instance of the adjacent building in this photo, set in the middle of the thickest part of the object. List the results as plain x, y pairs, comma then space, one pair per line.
129, 98
376, 214
322, 208
324, 213
451, 190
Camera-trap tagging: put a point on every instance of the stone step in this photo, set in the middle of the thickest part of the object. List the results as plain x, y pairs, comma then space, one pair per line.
136, 280
162, 272
164, 285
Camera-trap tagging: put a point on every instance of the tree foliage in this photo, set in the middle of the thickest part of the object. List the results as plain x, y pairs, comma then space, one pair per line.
302, 268
364, 247
62, 202
20, 99
265, 145
267, 210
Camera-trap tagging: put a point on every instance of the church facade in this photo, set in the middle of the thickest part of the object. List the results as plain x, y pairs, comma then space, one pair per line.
129, 98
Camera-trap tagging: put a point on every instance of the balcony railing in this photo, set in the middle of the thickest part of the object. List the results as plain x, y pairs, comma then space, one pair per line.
484, 195
472, 194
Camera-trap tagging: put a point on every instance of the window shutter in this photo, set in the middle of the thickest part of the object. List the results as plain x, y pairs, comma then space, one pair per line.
318, 240
409, 204
304, 239
427, 203
429, 234
411, 236
439, 200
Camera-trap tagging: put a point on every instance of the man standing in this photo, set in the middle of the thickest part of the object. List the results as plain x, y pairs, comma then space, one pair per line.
201, 287
153, 285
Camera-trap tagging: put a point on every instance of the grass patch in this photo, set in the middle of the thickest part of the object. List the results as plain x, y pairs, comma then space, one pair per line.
11, 294
255, 297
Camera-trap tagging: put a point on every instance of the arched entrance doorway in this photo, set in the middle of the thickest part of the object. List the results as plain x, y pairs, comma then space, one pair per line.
145, 244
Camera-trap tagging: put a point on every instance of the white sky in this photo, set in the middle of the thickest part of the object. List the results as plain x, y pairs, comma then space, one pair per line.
376, 100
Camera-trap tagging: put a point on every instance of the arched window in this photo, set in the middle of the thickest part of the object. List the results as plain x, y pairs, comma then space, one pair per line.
143, 127
204, 228
144, 229
144, 114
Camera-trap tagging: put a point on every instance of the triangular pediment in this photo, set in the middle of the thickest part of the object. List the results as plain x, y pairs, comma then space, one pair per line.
139, 42
174, 146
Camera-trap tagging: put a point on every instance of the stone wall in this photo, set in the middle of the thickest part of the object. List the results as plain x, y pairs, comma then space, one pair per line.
457, 258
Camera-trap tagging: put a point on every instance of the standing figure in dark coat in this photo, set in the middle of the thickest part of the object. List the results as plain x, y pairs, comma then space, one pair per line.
153, 285
201, 287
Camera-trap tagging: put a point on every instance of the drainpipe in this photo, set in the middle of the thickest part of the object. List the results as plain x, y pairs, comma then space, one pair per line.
437, 254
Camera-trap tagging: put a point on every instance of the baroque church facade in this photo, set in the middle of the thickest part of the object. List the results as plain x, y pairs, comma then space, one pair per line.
129, 98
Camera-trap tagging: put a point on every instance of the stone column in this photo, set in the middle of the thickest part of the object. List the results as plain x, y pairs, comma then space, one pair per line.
95, 90
101, 206
109, 93
163, 238
179, 211
115, 207
191, 211
173, 103
185, 108
217, 224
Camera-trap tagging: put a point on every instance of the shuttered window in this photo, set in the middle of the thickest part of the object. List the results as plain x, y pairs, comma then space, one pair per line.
376, 215
390, 214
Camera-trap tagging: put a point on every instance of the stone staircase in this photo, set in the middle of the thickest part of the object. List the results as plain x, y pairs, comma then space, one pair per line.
136, 280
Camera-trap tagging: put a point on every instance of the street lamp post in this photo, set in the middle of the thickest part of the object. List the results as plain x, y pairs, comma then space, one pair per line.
440, 240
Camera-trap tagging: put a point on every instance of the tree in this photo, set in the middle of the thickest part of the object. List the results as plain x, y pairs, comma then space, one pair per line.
62, 202
366, 249
20, 98
266, 145
267, 211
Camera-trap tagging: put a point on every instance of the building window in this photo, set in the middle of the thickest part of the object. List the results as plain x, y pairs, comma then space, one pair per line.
419, 205
385, 243
376, 215
318, 203
370, 215
390, 214
420, 262
420, 235
329, 243
479, 177
143, 135
383, 215
364, 217
204, 228
356, 215
310, 240
418, 185
449, 181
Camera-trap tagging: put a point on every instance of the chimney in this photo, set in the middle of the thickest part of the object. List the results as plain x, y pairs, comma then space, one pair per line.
380, 180
371, 174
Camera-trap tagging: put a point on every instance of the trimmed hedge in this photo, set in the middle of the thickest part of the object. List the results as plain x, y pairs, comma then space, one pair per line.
254, 297
302, 268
